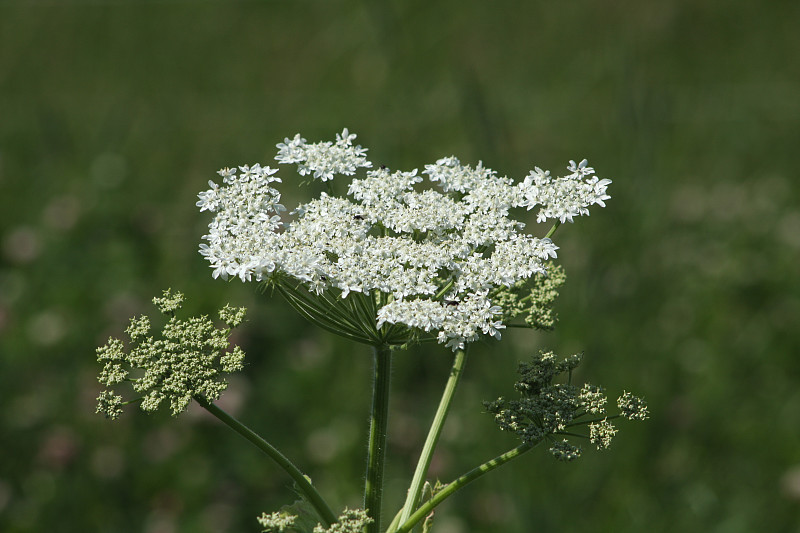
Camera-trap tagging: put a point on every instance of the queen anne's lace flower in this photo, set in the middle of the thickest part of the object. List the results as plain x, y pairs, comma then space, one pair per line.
424, 259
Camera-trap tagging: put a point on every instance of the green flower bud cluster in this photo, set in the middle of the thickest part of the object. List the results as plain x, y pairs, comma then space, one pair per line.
350, 521
532, 298
276, 522
547, 409
187, 360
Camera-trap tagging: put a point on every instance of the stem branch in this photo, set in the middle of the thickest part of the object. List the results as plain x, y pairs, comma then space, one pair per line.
303, 483
553, 229
459, 483
415, 490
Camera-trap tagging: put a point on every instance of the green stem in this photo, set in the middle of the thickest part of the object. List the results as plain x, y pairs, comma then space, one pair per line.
444, 289
415, 490
591, 421
459, 483
395, 522
373, 488
553, 229
303, 483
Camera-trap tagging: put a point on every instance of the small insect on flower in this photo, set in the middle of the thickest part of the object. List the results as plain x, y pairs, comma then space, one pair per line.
453, 303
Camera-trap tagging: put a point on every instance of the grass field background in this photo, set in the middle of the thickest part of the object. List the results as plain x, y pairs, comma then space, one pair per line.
114, 114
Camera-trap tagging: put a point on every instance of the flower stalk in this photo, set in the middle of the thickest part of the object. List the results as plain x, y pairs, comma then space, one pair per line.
303, 484
415, 490
460, 483
379, 419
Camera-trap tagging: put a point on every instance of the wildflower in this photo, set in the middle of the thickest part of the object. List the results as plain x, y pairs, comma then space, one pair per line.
548, 409
350, 521
381, 263
532, 298
109, 404
601, 433
325, 159
564, 451
187, 361
592, 399
567, 197
276, 522
632, 407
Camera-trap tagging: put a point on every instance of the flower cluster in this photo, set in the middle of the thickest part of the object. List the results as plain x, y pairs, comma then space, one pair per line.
532, 298
187, 361
567, 197
350, 521
276, 522
429, 259
247, 207
547, 409
325, 159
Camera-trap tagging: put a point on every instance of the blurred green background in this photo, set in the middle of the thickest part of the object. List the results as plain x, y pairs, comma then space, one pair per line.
114, 114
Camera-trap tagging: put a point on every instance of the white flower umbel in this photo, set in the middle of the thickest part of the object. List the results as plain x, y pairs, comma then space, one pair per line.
391, 259
324, 159
242, 234
567, 197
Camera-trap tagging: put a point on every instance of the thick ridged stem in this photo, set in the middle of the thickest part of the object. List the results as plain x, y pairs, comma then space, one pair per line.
373, 488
